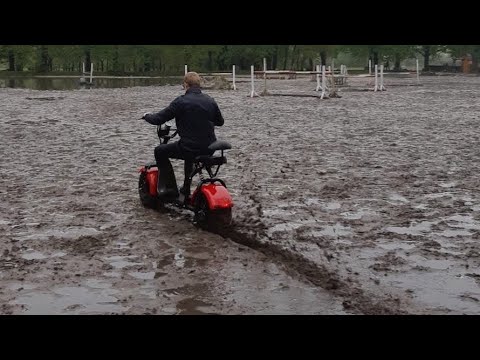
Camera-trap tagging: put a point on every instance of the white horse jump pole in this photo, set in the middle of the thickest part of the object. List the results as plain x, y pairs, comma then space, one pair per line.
91, 72
318, 79
418, 73
252, 93
382, 88
234, 85
233, 77
264, 75
320, 85
324, 82
379, 87
82, 77
369, 67
186, 69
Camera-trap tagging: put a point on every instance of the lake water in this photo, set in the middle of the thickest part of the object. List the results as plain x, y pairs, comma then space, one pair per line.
72, 83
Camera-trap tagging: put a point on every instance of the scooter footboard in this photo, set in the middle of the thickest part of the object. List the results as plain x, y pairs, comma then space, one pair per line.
217, 196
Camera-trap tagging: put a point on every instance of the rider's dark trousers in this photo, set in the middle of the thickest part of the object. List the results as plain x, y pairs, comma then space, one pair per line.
164, 152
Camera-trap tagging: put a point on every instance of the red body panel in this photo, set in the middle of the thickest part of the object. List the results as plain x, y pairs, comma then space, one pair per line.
152, 178
217, 196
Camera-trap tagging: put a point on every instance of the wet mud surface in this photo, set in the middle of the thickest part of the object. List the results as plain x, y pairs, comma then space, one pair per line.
365, 204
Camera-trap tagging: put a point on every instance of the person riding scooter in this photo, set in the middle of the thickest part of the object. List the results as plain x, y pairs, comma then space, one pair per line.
196, 115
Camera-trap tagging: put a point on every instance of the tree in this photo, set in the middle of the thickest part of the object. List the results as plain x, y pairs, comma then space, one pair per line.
17, 57
396, 54
11, 60
361, 51
87, 51
429, 51
44, 61
460, 51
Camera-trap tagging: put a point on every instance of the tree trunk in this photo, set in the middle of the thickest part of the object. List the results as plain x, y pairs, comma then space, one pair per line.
323, 58
44, 63
275, 58
88, 60
11, 60
396, 67
426, 58
285, 58
474, 67
222, 57
115, 60
293, 56
148, 66
210, 61
298, 62
241, 62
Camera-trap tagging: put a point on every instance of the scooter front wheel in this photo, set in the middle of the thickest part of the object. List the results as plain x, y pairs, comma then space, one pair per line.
212, 220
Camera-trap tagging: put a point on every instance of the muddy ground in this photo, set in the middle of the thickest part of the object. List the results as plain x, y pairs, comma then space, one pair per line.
364, 204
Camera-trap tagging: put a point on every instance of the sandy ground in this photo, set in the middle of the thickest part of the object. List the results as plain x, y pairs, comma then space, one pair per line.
365, 204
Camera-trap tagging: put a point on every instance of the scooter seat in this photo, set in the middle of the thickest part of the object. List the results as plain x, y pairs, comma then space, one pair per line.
211, 160
219, 145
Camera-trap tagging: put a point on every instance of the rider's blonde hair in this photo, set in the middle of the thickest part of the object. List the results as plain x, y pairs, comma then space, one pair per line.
192, 79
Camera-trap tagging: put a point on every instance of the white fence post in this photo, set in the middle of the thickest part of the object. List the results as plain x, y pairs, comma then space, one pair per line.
418, 73
318, 78
382, 88
324, 82
253, 93
264, 75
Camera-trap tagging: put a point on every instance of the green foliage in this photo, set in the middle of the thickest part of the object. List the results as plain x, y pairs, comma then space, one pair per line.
170, 59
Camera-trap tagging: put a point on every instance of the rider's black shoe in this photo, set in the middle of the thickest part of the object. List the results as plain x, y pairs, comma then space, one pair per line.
184, 195
165, 192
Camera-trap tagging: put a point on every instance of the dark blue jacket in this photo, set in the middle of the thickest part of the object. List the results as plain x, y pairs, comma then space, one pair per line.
195, 115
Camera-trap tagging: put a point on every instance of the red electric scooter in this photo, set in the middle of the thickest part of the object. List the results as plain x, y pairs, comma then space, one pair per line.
210, 202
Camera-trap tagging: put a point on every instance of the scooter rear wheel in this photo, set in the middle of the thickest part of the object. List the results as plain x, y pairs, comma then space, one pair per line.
212, 220
147, 200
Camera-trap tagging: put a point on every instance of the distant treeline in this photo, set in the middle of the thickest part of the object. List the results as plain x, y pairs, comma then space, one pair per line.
170, 59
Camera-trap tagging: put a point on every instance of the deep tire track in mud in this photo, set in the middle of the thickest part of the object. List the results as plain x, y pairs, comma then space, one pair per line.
316, 273
357, 301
